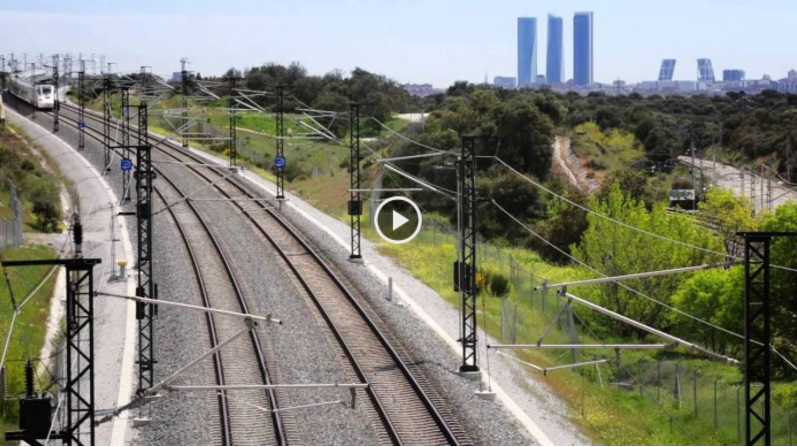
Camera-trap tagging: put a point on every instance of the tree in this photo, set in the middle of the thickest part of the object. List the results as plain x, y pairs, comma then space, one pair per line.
563, 228
517, 196
525, 135
783, 303
715, 296
729, 214
616, 250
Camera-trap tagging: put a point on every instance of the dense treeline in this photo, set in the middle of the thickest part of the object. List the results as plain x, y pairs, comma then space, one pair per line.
655, 130
378, 95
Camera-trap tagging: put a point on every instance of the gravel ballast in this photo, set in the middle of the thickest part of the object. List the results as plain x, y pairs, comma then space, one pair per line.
301, 348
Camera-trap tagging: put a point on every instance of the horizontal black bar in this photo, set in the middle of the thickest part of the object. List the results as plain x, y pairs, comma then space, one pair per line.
22, 436
69, 262
127, 213
767, 233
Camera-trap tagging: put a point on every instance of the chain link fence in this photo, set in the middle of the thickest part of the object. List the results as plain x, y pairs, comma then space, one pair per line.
11, 227
688, 395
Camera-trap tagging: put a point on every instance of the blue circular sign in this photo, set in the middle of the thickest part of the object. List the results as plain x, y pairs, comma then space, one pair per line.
279, 162
127, 164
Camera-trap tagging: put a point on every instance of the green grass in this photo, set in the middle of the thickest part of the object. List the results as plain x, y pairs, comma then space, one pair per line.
602, 411
30, 327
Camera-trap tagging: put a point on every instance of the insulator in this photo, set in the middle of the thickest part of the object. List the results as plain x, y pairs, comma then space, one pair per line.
29, 390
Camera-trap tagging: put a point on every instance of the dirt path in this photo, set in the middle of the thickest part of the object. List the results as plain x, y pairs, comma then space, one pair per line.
568, 165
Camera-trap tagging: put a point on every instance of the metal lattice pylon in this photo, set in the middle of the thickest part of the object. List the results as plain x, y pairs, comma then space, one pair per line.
280, 118
467, 255
146, 288
757, 336
355, 204
56, 86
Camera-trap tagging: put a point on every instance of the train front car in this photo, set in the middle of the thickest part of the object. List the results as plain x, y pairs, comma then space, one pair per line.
45, 96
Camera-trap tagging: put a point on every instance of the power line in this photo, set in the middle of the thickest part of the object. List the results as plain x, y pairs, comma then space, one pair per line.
409, 139
638, 381
631, 289
618, 222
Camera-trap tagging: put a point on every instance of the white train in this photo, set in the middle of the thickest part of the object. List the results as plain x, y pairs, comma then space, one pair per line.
41, 96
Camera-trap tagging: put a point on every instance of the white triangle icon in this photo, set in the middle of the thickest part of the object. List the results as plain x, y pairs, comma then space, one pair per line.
398, 220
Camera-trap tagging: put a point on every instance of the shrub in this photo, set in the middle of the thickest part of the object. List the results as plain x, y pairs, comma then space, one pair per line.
492, 282
499, 285
597, 165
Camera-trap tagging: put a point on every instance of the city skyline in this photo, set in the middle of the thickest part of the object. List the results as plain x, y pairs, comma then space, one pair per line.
445, 41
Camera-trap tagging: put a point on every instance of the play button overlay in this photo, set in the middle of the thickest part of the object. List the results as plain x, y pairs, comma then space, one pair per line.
398, 220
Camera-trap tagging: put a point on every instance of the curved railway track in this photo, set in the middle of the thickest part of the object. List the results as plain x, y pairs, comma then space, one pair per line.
402, 406
242, 422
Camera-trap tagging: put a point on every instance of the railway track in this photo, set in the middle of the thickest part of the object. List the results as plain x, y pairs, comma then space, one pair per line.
242, 422
400, 404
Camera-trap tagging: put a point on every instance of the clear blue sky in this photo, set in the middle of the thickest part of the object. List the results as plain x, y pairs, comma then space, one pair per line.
436, 41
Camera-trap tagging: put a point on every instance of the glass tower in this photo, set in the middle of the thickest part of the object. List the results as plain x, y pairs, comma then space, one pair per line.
526, 51
555, 63
582, 48
667, 70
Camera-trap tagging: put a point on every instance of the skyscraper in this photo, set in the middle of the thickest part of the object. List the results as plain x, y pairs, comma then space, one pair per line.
705, 71
555, 63
667, 70
526, 51
582, 48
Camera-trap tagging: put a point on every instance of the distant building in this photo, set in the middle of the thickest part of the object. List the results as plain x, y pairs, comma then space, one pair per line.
789, 83
421, 90
526, 51
705, 71
177, 76
541, 80
732, 75
667, 70
583, 48
505, 82
555, 62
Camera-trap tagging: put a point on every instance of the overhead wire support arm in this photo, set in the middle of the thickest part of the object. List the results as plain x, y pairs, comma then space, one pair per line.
634, 276
646, 328
144, 396
268, 319
587, 346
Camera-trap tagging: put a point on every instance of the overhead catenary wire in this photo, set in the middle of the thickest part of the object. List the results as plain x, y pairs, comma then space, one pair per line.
615, 221
405, 138
631, 289
638, 381
426, 184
